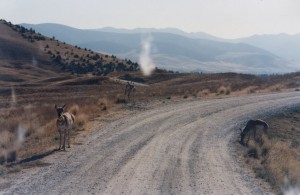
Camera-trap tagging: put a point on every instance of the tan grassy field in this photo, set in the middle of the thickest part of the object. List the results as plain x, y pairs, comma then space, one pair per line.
30, 106
277, 158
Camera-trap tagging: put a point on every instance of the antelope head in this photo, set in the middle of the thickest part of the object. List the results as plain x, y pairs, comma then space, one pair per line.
60, 110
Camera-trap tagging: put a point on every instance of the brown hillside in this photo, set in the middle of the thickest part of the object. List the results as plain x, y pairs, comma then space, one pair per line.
20, 60
26, 56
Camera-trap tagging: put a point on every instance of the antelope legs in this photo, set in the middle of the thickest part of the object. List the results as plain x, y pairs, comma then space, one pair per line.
68, 136
59, 141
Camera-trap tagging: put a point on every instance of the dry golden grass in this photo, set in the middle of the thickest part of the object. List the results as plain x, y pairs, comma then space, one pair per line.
283, 162
205, 92
223, 90
90, 96
32, 129
25, 126
28, 126
208, 85
277, 158
104, 103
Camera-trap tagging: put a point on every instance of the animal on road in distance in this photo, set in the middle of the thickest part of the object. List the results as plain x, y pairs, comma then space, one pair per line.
64, 123
129, 89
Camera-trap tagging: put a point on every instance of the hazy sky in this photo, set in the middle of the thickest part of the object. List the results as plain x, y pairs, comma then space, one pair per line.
223, 18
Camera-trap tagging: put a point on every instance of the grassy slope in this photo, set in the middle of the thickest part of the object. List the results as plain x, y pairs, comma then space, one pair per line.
17, 57
277, 158
30, 55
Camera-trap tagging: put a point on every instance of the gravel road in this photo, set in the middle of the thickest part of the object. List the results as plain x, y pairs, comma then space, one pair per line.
179, 148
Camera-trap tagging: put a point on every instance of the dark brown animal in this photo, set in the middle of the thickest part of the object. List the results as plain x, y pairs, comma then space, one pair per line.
129, 89
251, 127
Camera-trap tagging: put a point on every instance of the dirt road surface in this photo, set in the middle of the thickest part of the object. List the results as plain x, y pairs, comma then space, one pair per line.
180, 148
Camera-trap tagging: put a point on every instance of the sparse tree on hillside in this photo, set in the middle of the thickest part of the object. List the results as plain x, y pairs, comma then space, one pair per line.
32, 31
58, 59
95, 57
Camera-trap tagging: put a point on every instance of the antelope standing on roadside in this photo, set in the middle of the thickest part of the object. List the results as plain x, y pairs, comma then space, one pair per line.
253, 126
64, 123
129, 89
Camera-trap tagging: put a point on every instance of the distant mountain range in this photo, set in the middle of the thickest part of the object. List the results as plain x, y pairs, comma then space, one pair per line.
177, 50
283, 45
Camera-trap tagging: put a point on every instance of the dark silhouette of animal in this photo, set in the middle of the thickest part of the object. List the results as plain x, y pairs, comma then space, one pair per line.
64, 123
129, 89
251, 127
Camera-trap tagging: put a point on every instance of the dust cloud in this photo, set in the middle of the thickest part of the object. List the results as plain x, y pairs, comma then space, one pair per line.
34, 61
13, 98
146, 63
20, 137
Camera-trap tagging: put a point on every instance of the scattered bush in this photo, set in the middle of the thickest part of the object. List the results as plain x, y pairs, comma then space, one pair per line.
11, 156
275, 89
252, 152
81, 119
204, 92
120, 99
252, 90
223, 90
264, 151
74, 109
276, 159
104, 104
2, 160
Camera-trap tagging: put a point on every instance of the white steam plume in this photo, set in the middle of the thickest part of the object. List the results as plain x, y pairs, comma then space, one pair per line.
20, 137
13, 97
146, 63
34, 61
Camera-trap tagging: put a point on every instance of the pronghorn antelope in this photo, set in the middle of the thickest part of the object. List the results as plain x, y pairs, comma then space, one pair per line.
129, 89
64, 123
252, 126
